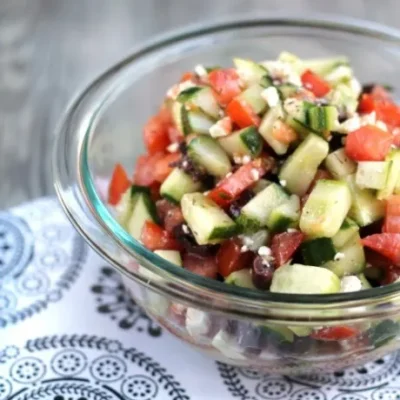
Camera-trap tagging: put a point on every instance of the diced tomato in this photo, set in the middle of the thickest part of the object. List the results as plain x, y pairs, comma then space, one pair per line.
162, 167
174, 134
321, 174
366, 104
165, 115
304, 94
229, 188
201, 265
118, 185
389, 113
392, 218
284, 245
170, 214
187, 76
379, 93
155, 134
155, 238
231, 259
387, 244
144, 170
283, 132
315, 83
335, 333
226, 84
377, 260
368, 143
396, 137
242, 114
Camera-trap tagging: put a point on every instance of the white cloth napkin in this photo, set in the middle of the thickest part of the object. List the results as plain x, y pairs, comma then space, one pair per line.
69, 331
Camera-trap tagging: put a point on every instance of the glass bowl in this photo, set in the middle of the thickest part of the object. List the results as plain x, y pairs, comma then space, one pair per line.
254, 329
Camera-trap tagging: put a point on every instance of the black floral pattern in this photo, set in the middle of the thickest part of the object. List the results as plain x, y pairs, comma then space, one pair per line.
114, 300
79, 367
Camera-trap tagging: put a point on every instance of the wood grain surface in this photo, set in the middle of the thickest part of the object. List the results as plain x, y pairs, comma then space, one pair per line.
50, 48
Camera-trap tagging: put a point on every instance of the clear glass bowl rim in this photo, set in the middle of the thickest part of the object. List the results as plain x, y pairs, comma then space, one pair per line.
86, 196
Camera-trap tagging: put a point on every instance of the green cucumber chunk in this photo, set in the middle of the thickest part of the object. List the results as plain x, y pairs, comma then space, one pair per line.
249, 71
372, 174
143, 210
252, 97
318, 251
339, 165
246, 141
352, 260
201, 97
172, 256
124, 208
323, 119
324, 66
189, 122
300, 168
255, 213
267, 128
279, 333
304, 279
365, 207
300, 128
347, 231
177, 184
240, 278
285, 215
208, 222
208, 154
364, 282
298, 109
287, 90
393, 175
325, 209
386, 331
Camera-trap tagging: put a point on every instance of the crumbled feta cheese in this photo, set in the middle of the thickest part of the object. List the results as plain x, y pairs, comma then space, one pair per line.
271, 96
221, 128
237, 159
264, 251
368, 119
396, 131
351, 124
255, 174
393, 146
246, 159
185, 164
291, 230
244, 248
283, 182
340, 73
173, 147
256, 240
339, 256
200, 71
227, 345
283, 72
175, 90
381, 125
185, 229
198, 323
228, 175
206, 193
355, 86
350, 284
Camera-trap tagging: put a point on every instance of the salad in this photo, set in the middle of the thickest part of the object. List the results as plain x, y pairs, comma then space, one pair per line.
280, 175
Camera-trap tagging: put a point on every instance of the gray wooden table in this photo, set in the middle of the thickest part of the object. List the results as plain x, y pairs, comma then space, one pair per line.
51, 48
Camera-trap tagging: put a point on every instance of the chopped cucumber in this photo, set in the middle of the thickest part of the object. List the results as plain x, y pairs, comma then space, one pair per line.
287, 90
252, 97
323, 119
372, 174
208, 153
364, 281
300, 330
247, 141
325, 209
393, 175
256, 212
285, 215
318, 251
341, 74
249, 71
177, 184
339, 165
266, 129
172, 256
343, 97
255, 240
260, 185
324, 66
280, 333
208, 222
201, 97
143, 210
300, 168
189, 122
124, 208
365, 207
347, 231
240, 278
300, 128
384, 332
352, 260
298, 109
304, 279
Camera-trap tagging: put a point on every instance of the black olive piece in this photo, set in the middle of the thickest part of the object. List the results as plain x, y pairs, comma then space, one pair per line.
237, 205
336, 141
371, 229
262, 273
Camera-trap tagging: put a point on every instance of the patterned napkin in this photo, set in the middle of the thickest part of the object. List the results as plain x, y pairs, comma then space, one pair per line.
69, 331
